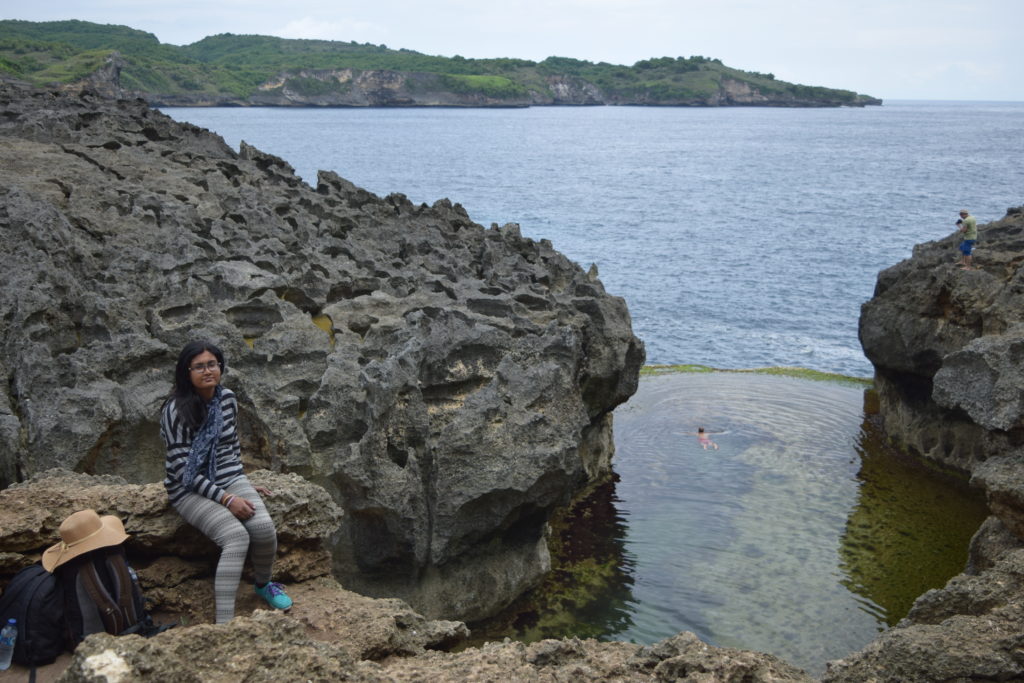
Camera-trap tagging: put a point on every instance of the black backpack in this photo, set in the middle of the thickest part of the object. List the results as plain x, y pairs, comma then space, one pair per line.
36, 599
102, 594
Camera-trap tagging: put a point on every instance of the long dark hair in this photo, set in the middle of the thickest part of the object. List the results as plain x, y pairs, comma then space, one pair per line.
187, 402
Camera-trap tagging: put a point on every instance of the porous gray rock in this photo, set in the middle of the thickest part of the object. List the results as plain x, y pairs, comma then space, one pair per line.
947, 346
448, 385
682, 657
176, 567
984, 380
31, 513
286, 652
211, 653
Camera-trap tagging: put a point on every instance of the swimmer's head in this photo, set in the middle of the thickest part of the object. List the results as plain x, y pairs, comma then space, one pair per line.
700, 430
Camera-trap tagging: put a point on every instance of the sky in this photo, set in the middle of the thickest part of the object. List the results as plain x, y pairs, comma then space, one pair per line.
893, 49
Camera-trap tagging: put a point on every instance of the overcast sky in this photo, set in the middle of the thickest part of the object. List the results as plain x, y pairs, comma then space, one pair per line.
893, 49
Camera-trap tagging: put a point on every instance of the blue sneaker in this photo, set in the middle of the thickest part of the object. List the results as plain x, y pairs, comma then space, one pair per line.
274, 594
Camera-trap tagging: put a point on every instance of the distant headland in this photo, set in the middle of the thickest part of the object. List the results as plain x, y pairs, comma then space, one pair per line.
250, 70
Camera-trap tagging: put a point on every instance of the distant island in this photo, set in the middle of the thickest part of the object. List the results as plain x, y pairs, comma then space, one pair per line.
249, 70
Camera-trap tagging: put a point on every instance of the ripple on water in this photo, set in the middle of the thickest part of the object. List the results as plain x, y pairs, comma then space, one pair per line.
796, 537
748, 545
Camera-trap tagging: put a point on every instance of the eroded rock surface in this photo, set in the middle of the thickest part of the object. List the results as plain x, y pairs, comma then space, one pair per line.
285, 652
31, 513
448, 385
176, 563
947, 346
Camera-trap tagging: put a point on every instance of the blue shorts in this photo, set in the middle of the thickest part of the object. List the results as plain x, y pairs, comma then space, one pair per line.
966, 246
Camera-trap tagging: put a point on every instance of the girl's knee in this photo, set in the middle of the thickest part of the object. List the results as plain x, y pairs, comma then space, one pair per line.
263, 534
234, 537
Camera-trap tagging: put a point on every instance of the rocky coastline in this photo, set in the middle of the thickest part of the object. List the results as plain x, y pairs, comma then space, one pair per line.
351, 87
421, 393
383, 88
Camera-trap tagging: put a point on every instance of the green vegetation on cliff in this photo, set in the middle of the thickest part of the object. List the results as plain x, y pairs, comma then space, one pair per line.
230, 67
801, 373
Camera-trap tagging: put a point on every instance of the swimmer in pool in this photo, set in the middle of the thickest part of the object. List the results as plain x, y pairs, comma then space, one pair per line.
703, 439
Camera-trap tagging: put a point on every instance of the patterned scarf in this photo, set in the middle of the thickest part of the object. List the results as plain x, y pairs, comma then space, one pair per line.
204, 444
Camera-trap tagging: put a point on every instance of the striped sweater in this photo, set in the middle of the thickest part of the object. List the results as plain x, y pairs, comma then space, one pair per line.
178, 439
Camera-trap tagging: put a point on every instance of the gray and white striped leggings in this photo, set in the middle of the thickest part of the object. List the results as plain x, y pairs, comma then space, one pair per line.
233, 536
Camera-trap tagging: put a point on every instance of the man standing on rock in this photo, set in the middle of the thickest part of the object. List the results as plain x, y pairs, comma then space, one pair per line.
969, 229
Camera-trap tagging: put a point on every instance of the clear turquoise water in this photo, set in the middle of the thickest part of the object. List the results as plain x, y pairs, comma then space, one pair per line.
739, 237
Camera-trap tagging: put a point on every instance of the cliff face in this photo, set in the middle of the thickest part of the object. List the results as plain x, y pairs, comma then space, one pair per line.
946, 345
370, 88
449, 385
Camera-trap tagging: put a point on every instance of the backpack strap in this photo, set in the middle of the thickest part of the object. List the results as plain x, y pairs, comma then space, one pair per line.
126, 588
110, 613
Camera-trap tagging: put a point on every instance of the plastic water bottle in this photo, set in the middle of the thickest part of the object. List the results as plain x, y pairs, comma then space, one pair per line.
7, 636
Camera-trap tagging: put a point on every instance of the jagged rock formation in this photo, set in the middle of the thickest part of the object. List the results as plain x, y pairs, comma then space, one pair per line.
969, 630
448, 385
946, 345
226, 654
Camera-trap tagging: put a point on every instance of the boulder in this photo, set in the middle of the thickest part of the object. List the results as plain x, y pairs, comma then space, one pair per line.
161, 543
448, 385
266, 647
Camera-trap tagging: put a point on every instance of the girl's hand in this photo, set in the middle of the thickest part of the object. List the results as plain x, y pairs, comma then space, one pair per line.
263, 491
242, 508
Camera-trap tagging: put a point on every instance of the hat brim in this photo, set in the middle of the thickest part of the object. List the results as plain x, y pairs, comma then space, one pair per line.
111, 533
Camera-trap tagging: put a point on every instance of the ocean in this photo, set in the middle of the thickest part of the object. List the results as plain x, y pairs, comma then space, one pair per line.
739, 237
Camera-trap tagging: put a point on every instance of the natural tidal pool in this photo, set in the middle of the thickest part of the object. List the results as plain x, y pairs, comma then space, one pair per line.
802, 534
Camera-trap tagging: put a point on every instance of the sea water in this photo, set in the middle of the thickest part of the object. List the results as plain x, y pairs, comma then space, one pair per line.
739, 237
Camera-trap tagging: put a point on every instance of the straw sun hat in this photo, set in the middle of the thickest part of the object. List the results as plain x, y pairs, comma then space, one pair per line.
81, 532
